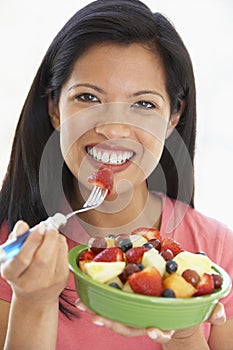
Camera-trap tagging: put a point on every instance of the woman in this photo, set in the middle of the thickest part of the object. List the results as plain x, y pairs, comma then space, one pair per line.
116, 87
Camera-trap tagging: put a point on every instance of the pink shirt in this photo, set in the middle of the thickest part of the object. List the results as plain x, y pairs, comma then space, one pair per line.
194, 231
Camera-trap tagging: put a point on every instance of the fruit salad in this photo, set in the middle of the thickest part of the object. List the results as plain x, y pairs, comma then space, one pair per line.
146, 263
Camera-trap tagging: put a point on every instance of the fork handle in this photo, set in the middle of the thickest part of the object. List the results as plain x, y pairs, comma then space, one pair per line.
10, 249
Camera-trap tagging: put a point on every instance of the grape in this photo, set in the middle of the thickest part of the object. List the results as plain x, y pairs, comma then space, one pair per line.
191, 276
167, 254
217, 280
156, 244
119, 238
97, 244
129, 270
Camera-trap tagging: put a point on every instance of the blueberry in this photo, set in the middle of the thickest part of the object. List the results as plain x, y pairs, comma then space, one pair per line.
148, 245
171, 266
168, 293
111, 235
202, 253
114, 285
140, 266
125, 244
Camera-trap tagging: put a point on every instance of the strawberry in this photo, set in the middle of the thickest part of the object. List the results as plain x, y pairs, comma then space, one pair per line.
134, 255
174, 246
205, 286
102, 178
84, 258
148, 232
110, 254
147, 282
87, 255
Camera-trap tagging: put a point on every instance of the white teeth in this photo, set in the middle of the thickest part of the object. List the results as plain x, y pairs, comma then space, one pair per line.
108, 157
99, 155
93, 152
120, 158
113, 158
105, 157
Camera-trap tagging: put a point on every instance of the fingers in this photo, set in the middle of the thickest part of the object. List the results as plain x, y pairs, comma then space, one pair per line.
19, 228
62, 263
153, 333
15, 267
43, 248
159, 336
218, 316
118, 327
81, 307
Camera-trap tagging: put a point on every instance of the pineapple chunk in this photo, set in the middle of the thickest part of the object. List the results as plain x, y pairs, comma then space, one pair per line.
104, 271
153, 258
198, 262
137, 240
181, 288
127, 288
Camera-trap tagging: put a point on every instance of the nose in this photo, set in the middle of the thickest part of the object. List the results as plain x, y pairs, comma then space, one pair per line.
113, 130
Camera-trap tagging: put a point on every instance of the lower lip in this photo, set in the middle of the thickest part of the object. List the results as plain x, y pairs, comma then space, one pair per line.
114, 167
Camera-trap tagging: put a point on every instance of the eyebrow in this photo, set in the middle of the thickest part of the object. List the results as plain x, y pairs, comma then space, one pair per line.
98, 89
144, 92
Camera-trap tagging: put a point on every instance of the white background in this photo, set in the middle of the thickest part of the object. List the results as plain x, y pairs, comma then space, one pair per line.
206, 26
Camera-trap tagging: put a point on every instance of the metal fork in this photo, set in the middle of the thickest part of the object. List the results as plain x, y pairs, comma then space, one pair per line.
11, 249
94, 200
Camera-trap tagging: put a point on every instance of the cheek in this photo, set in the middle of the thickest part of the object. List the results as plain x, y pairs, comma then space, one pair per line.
153, 136
71, 144
152, 151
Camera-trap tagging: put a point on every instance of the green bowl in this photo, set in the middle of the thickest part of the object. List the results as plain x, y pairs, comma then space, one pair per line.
142, 311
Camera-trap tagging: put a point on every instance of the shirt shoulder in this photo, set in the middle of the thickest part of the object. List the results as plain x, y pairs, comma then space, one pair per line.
194, 230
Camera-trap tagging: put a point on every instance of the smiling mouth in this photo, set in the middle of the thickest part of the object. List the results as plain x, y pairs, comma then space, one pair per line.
109, 156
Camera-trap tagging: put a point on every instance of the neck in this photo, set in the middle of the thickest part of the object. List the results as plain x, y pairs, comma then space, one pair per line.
123, 213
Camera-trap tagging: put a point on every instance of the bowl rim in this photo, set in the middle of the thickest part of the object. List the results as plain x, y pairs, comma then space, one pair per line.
75, 252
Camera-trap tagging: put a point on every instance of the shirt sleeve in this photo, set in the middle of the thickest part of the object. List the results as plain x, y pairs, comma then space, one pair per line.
5, 290
227, 265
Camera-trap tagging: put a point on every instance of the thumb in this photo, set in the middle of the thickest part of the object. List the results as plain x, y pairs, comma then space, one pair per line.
19, 228
218, 316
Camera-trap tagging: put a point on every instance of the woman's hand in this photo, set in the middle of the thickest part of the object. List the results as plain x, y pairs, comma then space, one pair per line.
37, 276
164, 337
40, 271
153, 333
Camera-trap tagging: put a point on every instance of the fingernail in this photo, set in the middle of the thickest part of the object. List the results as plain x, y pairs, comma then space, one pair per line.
98, 323
152, 334
221, 316
81, 307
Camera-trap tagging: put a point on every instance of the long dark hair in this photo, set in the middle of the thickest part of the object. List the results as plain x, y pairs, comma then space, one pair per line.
122, 22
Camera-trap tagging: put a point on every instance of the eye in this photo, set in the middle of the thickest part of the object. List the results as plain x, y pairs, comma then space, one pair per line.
86, 97
145, 104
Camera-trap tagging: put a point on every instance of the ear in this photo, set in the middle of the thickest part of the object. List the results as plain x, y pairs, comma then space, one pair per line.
53, 113
174, 119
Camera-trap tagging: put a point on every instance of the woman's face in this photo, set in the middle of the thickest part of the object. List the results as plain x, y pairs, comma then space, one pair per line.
114, 110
